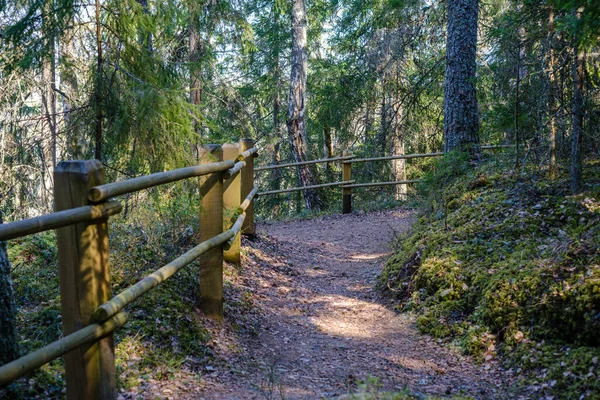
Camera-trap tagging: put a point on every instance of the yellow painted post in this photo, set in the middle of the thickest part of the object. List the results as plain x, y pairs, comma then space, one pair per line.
232, 198
346, 192
211, 224
84, 282
247, 186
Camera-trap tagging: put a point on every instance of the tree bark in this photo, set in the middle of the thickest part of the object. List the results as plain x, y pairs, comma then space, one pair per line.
9, 349
552, 86
461, 116
399, 166
577, 124
296, 122
99, 88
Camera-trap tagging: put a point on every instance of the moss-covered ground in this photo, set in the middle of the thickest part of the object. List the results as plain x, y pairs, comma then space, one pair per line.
506, 263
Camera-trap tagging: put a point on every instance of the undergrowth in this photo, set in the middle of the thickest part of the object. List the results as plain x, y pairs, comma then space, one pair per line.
508, 263
164, 332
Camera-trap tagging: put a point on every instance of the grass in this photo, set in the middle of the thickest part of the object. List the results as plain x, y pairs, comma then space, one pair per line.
507, 263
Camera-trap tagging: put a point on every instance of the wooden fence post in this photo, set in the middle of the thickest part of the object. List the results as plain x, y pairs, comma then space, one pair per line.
232, 198
346, 192
247, 186
211, 224
84, 282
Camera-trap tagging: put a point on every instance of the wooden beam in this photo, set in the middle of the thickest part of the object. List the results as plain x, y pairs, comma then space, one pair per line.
84, 282
247, 145
232, 198
346, 191
59, 219
103, 192
322, 160
21, 366
211, 224
117, 303
360, 185
296, 189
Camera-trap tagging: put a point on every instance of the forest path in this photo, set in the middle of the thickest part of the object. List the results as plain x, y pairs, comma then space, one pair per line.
320, 327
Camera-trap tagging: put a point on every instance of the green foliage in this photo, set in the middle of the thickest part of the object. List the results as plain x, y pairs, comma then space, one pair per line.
506, 264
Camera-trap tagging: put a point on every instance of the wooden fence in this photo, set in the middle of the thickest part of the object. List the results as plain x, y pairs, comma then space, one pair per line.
90, 314
347, 184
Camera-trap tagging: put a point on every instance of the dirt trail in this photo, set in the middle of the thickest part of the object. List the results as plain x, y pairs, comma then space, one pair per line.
321, 327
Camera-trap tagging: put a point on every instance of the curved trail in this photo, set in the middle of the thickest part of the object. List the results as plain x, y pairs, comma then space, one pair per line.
319, 327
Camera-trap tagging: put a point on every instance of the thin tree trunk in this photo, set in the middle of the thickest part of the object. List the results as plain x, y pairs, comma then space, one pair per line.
99, 88
328, 151
9, 349
69, 87
399, 166
552, 92
517, 100
461, 116
384, 124
577, 125
296, 122
49, 110
195, 54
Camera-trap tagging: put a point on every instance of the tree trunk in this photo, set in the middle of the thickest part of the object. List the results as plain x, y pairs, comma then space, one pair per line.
9, 349
48, 144
577, 125
552, 92
99, 113
195, 54
399, 166
296, 122
461, 117
69, 87
328, 152
384, 124
517, 90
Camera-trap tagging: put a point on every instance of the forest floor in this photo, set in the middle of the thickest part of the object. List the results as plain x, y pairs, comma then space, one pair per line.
314, 325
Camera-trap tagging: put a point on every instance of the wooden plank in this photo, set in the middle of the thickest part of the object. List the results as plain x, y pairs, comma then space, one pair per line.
322, 160
296, 189
247, 145
248, 201
361, 185
346, 191
21, 366
84, 282
56, 220
211, 224
232, 198
108, 190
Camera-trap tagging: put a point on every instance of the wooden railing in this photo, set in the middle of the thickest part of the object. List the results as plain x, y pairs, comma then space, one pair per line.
90, 314
347, 184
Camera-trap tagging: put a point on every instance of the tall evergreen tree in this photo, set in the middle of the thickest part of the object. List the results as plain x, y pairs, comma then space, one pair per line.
297, 115
461, 116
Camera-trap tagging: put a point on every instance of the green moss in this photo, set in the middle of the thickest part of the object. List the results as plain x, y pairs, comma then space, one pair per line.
499, 262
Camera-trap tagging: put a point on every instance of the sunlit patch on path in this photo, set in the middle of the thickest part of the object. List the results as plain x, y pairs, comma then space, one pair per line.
320, 327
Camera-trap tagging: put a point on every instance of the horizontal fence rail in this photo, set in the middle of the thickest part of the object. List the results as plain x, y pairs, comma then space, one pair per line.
108, 190
322, 160
296, 189
13, 230
391, 183
16, 369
